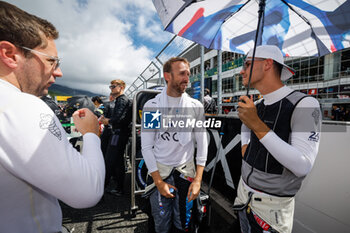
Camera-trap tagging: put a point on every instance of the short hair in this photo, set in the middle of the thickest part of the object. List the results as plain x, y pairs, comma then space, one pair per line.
206, 91
278, 68
96, 98
24, 29
168, 64
118, 82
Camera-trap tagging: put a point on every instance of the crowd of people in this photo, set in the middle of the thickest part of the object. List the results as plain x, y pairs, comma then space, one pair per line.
279, 138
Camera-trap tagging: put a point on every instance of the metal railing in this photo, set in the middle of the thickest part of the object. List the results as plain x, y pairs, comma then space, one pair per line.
135, 127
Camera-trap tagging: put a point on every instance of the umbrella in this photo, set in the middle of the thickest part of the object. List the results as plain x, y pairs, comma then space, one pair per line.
297, 27
77, 102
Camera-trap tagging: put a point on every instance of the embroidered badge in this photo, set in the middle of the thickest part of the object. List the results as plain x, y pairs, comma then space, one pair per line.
47, 122
316, 115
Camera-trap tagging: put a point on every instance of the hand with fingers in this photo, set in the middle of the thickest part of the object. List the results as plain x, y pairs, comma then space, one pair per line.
85, 121
193, 190
247, 111
248, 114
164, 189
103, 120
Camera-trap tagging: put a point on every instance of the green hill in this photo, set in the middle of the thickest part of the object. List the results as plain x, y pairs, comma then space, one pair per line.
57, 89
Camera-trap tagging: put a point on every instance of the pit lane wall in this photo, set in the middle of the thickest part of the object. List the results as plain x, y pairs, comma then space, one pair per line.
322, 204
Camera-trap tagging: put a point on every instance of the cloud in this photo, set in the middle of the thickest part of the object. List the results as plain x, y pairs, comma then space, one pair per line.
101, 40
154, 30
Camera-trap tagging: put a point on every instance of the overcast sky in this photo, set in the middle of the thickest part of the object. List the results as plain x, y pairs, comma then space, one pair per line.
101, 40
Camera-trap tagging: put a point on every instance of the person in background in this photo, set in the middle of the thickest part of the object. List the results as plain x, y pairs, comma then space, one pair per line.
120, 121
99, 107
209, 102
107, 129
342, 113
335, 113
280, 139
347, 115
54, 107
169, 155
38, 165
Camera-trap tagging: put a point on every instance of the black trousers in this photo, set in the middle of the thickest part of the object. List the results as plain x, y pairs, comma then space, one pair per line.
114, 161
105, 137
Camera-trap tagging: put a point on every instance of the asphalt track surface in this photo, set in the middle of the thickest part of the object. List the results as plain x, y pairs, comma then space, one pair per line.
112, 214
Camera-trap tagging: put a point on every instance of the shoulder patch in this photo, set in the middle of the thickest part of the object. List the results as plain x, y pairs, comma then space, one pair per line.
316, 115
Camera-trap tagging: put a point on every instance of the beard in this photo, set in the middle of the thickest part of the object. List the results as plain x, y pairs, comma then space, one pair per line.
33, 80
179, 87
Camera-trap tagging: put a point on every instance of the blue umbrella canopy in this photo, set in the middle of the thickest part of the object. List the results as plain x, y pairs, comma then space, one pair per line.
297, 27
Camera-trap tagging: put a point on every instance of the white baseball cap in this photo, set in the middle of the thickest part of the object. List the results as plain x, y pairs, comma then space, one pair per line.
274, 53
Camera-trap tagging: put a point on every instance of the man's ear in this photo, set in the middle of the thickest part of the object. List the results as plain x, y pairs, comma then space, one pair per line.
268, 64
167, 76
8, 54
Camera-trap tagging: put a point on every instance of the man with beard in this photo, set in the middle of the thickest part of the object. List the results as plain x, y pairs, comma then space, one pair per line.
38, 165
169, 153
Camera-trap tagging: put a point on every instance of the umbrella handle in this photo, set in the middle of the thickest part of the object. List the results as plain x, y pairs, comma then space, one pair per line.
261, 13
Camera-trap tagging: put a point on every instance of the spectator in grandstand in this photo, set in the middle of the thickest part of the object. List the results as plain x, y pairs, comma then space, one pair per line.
107, 129
209, 102
38, 165
120, 121
280, 140
169, 155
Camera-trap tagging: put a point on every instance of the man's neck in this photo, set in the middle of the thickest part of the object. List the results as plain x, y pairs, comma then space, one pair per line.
269, 86
266, 91
172, 93
118, 95
10, 78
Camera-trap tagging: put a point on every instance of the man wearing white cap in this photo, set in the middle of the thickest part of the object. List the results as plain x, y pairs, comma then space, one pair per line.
280, 139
